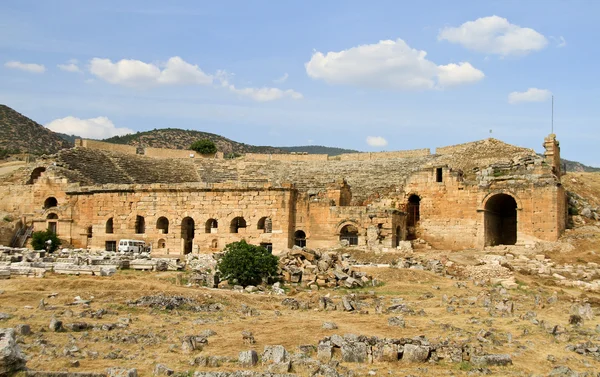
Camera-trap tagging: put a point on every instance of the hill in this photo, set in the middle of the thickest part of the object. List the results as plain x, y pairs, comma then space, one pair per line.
182, 139
21, 134
318, 149
574, 166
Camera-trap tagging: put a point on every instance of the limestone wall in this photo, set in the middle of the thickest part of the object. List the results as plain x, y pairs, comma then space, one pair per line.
94, 144
382, 155
284, 157
177, 153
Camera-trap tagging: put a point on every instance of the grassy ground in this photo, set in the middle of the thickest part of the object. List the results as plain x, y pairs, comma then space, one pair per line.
160, 332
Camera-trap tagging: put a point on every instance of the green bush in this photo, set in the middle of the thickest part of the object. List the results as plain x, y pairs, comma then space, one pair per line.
204, 146
247, 264
38, 240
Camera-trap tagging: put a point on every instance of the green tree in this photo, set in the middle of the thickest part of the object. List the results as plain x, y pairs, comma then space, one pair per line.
248, 264
204, 146
38, 240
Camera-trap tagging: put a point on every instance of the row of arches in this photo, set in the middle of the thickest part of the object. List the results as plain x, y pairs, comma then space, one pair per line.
162, 224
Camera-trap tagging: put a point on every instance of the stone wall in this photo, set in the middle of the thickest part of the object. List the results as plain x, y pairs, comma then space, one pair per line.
284, 157
382, 155
178, 153
94, 144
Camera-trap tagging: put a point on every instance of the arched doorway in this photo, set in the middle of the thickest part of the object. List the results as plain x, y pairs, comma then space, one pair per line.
300, 238
187, 234
140, 225
349, 233
500, 220
413, 215
109, 229
211, 226
52, 219
237, 224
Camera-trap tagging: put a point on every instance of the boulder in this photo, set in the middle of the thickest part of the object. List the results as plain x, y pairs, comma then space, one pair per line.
354, 352
415, 354
55, 325
275, 354
248, 358
11, 358
329, 326
121, 372
397, 321
162, 370
492, 360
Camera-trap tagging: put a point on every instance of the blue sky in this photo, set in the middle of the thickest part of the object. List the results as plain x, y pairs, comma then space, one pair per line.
383, 75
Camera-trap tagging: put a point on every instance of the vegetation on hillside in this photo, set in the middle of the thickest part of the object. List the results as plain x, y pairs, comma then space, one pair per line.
204, 146
19, 133
318, 149
182, 139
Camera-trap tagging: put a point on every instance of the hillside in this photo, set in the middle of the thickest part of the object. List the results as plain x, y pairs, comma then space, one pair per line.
182, 139
21, 134
318, 149
574, 166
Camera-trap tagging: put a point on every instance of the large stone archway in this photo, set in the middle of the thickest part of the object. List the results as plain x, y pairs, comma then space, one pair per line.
500, 220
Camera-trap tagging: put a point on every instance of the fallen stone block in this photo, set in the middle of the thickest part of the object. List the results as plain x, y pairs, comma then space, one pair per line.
11, 358
492, 360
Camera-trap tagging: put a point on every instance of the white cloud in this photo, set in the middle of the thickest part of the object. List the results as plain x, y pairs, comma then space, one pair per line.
457, 74
71, 66
28, 67
263, 94
388, 64
282, 79
531, 95
494, 35
376, 141
134, 73
94, 128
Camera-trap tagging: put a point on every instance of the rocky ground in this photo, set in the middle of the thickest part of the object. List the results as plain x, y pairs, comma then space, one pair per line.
504, 311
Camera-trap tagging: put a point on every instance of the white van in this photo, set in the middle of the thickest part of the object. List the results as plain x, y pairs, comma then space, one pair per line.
135, 246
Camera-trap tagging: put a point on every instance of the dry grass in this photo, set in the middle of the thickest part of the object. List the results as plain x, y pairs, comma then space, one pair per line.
290, 328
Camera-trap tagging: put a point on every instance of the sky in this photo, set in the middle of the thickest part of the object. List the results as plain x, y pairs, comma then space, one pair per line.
371, 76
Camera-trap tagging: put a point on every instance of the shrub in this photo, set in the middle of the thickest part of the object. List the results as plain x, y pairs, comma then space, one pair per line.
248, 264
38, 240
204, 146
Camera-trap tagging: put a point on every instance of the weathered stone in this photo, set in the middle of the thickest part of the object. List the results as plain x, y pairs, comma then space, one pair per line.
193, 343
492, 360
23, 329
121, 372
55, 325
275, 354
11, 358
248, 358
397, 321
324, 352
385, 352
415, 354
354, 352
162, 370
329, 326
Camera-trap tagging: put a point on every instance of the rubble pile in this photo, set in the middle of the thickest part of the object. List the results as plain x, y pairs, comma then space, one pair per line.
24, 262
166, 302
322, 269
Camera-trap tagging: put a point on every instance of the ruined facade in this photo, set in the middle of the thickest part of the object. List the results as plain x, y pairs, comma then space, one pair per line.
463, 196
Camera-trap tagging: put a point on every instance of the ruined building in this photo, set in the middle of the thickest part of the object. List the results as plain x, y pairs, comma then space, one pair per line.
464, 196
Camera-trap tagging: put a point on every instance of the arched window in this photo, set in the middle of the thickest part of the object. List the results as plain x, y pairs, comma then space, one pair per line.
349, 233
52, 216
265, 224
300, 238
110, 226
214, 244
35, 174
50, 202
237, 224
161, 244
140, 225
162, 224
211, 226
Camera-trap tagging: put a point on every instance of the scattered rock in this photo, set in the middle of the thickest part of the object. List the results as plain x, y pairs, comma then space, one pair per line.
11, 358
329, 326
248, 358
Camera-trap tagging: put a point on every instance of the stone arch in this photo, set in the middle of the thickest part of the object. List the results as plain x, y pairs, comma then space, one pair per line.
413, 215
187, 234
214, 244
265, 224
52, 216
500, 220
162, 224
210, 225
35, 174
349, 233
50, 202
161, 244
110, 226
236, 224
299, 238
140, 225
